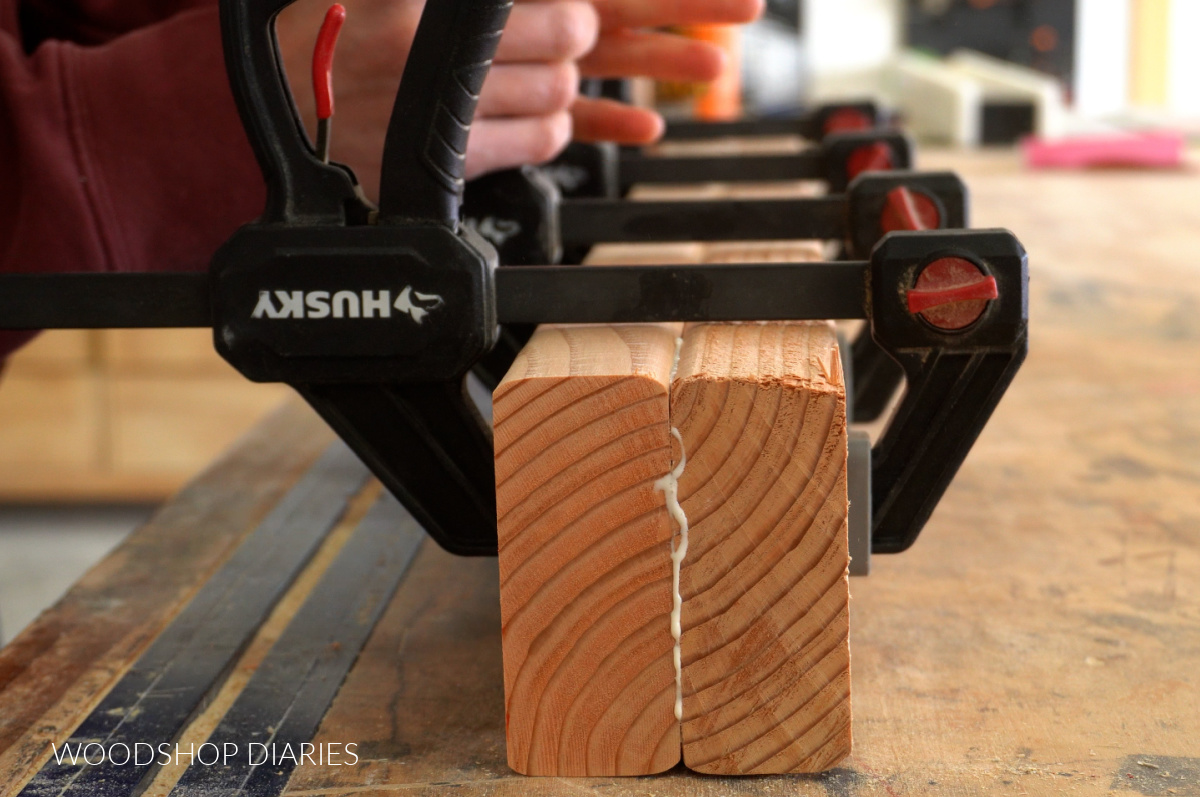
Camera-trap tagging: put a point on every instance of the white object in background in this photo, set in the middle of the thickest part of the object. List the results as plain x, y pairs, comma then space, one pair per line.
938, 103
1102, 56
772, 65
849, 37
1183, 59
1006, 81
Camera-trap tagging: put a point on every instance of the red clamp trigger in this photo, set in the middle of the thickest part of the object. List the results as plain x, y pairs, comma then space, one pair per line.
322, 74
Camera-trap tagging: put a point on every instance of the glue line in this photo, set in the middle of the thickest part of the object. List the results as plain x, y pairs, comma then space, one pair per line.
669, 485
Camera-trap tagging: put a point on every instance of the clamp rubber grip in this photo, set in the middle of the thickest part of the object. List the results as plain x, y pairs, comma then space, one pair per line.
424, 154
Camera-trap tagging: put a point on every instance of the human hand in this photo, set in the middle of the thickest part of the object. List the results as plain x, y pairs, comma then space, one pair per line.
523, 114
627, 48
529, 106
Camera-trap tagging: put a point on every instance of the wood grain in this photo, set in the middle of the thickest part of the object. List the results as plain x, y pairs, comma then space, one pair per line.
582, 435
761, 410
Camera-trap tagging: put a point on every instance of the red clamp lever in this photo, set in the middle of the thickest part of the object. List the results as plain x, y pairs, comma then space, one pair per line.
875, 157
905, 209
951, 293
846, 120
322, 74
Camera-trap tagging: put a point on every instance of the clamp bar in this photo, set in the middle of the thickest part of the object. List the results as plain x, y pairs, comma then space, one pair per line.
636, 168
104, 301
693, 130
597, 170
813, 124
524, 295
588, 221
709, 292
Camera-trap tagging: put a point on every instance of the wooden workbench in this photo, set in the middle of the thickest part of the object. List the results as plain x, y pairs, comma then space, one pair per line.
1043, 636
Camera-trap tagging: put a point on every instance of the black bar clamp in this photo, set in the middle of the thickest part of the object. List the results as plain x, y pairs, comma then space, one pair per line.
607, 171
376, 317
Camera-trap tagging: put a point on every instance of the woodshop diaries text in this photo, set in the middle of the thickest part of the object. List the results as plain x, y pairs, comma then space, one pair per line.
330, 754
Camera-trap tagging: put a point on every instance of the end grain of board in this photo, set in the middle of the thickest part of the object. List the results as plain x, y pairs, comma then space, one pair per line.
766, 657
582, 436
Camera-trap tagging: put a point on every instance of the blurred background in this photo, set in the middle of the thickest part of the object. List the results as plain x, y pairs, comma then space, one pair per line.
97, 427
1109, 64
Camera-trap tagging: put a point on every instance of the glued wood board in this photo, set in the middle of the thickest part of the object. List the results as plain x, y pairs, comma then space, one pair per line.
582, 436
582, 447
761, 412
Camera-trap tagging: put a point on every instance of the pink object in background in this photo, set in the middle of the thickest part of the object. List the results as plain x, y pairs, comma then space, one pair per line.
1131, 150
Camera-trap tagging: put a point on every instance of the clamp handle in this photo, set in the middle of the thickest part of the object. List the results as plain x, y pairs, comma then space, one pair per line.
300, 188
424, 154
426, 140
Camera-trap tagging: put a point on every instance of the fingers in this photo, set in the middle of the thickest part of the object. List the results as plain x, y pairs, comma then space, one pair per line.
662, 56
505, 143
529, 89
608, 120
561, 30
646, 14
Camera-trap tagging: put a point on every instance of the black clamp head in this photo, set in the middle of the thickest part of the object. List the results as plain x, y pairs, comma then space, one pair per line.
516, 211
847, 155
413, 303
951, 308
586, 171
322, 288
883, 202
840, 117
962, 289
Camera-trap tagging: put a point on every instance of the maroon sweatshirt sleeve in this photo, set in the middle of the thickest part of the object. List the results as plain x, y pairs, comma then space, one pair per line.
127, 156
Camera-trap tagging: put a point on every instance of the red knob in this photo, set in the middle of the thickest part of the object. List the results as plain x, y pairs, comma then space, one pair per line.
845, 120
951, 293
875, 157
905, 209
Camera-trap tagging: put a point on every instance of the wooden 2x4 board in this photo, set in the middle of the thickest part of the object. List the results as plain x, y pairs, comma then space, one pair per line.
673, 556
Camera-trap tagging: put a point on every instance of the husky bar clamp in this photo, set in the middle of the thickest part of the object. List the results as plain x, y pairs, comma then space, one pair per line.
823, 120
376, 319
522, 215
604, 170
527, 221
813, 124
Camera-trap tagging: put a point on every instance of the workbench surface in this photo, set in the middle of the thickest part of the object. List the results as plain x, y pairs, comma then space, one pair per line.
1043, 636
